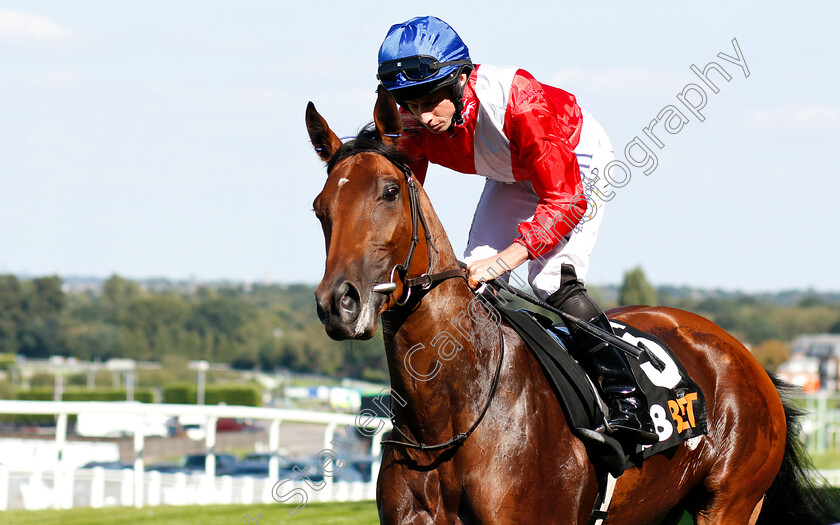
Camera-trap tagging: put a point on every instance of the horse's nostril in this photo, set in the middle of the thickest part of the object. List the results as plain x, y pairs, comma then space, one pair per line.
348, 302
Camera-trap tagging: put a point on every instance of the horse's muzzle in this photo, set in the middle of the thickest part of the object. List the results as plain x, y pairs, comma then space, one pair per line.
339, 309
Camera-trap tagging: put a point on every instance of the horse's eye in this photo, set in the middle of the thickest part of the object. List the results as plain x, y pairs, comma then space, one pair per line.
391, 193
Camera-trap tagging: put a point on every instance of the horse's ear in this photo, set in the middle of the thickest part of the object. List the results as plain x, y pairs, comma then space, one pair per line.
326, 142
387, 118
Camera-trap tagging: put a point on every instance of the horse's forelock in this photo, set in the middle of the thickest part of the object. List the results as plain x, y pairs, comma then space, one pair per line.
368, 141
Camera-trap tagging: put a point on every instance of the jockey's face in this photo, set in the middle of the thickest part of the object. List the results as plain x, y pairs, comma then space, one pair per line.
435, 110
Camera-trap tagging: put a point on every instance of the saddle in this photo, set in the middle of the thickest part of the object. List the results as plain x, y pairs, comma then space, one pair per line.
677, 405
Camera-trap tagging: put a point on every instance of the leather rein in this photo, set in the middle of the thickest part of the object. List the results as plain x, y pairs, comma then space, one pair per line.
426, 282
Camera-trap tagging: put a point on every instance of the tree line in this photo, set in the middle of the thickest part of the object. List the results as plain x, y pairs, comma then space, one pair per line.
766, 323
265, 327
275, 326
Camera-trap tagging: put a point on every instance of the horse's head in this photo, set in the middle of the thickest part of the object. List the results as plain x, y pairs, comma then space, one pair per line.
366, 213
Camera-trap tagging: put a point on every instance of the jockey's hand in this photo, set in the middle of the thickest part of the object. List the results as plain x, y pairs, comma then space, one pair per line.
492, 267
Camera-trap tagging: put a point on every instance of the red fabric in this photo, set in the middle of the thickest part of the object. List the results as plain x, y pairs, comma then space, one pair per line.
543, 126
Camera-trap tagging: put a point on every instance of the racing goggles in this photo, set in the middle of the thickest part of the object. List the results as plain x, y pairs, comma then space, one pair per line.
420, 67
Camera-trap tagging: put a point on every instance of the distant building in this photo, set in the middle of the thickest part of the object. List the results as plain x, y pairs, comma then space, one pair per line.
817, 345
825, 349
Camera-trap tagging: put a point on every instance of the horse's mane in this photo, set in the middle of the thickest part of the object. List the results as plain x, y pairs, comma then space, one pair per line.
368, 140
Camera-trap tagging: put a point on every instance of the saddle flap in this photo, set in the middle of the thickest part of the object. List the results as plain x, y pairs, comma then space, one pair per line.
677, 405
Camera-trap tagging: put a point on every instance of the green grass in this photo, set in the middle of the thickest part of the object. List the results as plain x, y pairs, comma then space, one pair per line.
829, 460
361, 513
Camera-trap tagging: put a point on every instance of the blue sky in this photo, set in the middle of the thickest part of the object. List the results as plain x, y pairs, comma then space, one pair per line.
167, 138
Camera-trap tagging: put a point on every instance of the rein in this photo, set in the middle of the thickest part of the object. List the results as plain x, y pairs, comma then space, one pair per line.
427, 281
458, 438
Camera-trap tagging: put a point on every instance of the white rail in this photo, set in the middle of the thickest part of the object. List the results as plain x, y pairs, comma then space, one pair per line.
137, 482
98, 487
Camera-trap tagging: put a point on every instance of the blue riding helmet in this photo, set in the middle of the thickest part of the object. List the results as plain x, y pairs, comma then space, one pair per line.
420, 56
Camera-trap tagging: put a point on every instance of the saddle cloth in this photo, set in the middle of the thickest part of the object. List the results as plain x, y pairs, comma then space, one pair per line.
677, 405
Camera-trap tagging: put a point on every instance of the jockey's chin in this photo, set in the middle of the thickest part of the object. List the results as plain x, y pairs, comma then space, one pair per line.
439, 126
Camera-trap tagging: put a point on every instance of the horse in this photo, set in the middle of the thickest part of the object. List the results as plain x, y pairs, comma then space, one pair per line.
483, 438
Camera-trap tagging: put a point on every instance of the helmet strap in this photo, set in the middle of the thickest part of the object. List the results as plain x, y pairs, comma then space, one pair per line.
458, 96
458, 101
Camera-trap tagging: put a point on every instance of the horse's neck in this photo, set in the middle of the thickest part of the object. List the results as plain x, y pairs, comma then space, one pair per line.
441, 360
442, 353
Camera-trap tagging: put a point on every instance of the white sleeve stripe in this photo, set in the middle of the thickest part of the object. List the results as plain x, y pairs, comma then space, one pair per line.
492, 147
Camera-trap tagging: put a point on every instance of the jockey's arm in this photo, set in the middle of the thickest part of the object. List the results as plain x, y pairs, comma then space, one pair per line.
544, 149
554, 173
492, 267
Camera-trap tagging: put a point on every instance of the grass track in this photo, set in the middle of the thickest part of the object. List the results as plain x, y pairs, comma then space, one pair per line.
363, 513
359, 513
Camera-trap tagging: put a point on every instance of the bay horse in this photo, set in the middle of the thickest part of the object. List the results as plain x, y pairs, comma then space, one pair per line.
485, 440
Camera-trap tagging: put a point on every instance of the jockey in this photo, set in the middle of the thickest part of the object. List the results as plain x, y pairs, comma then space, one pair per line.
532, 142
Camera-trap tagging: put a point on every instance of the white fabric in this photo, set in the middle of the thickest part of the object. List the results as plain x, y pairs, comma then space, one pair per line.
492, 147
504, 205
608, 495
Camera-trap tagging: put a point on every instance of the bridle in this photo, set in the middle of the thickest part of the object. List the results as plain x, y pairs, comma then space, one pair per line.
426, 282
